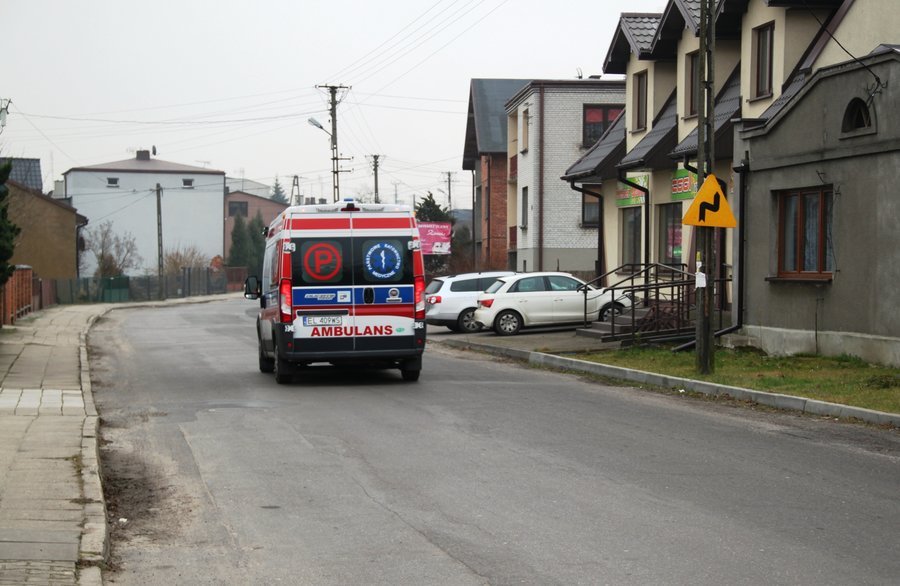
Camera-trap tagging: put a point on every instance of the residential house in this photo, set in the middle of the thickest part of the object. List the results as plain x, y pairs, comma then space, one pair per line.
549, 123
485, 155
795, 125
125, 194
247, 205
819, 168
26, 172
49, 236
244, 185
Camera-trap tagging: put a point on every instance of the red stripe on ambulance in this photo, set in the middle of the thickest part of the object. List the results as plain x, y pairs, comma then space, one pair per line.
319, 223
381, 223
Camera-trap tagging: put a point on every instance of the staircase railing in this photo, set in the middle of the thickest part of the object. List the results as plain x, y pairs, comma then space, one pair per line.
666, 291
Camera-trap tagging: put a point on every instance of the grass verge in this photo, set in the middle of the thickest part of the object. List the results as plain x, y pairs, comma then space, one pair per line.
843, 379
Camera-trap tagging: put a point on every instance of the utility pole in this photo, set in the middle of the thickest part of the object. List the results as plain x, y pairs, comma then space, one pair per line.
706, 261
395, 183
335, 157
375, 169
449, 175
295, 192
159, 242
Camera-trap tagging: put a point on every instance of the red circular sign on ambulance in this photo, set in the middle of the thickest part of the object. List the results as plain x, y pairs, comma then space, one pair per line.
322, 261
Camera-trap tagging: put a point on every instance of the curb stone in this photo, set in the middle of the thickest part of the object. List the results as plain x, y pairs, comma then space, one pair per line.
777, 400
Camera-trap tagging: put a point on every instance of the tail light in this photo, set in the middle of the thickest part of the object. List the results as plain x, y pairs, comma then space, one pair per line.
420, 297
434, 299
284, 301
485, 302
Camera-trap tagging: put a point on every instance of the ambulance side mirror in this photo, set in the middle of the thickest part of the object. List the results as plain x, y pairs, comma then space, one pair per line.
251, 288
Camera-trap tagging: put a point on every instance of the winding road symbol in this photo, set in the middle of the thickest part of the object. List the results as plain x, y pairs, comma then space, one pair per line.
710, 208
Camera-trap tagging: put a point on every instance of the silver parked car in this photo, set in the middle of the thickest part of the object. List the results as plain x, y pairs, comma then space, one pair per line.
451, 300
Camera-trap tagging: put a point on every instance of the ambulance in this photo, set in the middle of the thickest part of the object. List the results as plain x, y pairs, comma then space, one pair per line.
343, 284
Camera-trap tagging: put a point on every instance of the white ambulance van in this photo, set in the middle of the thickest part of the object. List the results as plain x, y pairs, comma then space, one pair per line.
342, 283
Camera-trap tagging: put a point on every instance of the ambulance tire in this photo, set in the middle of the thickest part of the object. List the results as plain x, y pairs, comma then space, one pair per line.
284, 371
266, 364
410, 370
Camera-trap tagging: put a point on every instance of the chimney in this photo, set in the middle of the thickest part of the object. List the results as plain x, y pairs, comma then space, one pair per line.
143, 155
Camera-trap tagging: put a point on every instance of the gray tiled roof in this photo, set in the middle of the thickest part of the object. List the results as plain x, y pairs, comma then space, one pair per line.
728, 107
599, 162
691, 11
640, 29
658, 142
26, 172
486, 127
634, 36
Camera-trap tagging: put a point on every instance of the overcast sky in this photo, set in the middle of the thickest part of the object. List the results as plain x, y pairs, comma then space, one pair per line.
230, 84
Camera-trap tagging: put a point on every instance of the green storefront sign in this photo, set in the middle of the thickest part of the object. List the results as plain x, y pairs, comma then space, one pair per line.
684, 185
626, 195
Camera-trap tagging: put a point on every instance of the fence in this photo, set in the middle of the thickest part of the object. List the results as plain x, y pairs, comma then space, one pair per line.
17, 298
24, 292
189, 283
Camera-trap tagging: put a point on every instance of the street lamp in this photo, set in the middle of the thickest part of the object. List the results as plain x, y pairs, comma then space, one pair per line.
335, 160
317, 124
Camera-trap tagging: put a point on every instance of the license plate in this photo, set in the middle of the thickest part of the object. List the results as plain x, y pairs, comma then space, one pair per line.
322, 320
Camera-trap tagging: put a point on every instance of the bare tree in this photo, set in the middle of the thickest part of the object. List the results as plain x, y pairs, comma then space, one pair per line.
189, 256
115, 254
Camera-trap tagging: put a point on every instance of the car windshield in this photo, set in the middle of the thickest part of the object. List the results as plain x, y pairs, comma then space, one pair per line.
495, 286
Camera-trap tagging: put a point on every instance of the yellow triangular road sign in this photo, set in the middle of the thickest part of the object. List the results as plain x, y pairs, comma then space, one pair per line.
710, 208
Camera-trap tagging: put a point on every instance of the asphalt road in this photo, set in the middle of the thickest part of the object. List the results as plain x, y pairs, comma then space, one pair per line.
483, 472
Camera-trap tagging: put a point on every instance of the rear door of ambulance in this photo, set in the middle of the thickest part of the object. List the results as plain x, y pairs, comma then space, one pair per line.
353, 286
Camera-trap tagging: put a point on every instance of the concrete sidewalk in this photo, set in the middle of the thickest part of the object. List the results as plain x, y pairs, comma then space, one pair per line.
52, 513
52, 516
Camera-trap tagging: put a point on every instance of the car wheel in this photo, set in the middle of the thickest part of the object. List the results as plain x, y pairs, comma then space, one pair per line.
610, 310
466, 322
266, 364
284, 372
410, 369
507, 323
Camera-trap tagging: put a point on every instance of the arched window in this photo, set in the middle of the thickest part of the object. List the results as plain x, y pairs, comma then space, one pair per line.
856, 116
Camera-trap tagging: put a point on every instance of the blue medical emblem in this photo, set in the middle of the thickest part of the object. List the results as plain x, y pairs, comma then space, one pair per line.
383, 260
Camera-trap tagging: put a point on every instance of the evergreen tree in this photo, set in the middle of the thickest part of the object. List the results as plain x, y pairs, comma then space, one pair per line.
256, 234
278, 192
428, 210
8, 230
240, 254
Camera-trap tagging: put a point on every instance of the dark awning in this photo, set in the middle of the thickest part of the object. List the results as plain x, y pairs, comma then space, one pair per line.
600, 161
652, 150
728, 107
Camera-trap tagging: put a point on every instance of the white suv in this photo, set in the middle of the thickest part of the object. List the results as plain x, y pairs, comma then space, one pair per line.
450, 301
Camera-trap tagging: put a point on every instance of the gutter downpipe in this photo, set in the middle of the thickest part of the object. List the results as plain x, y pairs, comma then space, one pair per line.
743, 170
540, 259
487, 214
601, 252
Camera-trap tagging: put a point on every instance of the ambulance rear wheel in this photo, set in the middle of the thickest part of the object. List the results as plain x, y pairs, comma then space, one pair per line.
266, 364
284, 372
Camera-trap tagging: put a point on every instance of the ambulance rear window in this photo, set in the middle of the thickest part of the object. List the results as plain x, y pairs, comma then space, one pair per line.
344, 261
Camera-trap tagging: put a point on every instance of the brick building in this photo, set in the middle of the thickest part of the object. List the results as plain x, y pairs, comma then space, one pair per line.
485, 155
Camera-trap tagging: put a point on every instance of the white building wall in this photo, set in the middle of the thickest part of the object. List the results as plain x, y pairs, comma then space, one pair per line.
190, 217
564, 238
